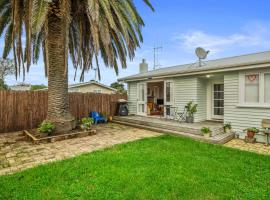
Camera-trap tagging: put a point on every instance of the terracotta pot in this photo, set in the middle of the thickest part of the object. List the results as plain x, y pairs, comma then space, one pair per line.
250, 134
110, 118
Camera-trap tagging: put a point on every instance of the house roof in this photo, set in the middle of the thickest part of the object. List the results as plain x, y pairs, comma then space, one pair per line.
88, 83
91, 82
261, 59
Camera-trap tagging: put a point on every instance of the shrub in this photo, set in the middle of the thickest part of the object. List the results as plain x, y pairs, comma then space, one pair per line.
86, 123
46, 127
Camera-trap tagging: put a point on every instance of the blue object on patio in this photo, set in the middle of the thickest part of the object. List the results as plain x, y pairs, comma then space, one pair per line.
97, 118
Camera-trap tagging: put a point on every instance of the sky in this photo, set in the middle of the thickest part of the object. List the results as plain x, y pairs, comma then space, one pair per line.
225, 28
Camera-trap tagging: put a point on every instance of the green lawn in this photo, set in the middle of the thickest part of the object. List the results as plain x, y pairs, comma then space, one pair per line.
166, 167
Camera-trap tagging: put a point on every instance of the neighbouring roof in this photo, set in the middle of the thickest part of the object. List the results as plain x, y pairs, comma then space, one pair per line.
88, 83
218, 65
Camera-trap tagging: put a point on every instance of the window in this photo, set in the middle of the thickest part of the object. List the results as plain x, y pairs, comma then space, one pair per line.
267, 88
97, 91
168, 92
218, 99
255, 89
141, 92
252, 88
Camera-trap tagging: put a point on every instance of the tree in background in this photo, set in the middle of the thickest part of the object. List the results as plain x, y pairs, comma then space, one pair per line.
7, 67
37, 87
83, 30
3, 86
119, 86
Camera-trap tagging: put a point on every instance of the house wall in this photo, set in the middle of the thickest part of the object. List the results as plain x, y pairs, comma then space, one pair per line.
190, 89
132, 97
241, 117
91, 88
185, 89
201, 99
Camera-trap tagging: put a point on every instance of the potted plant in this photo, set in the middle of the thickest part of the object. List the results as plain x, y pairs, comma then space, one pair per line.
251, 132
110, 118
86, 123
191, 110
227, 127
46, 129
206, 131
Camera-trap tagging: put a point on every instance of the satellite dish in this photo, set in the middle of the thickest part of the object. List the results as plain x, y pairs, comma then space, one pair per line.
201, 53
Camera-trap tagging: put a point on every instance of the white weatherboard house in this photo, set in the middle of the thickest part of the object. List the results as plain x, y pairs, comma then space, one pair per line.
234, 89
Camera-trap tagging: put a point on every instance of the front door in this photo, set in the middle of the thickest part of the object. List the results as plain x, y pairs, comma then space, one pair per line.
218, 101
168, 97
142, 99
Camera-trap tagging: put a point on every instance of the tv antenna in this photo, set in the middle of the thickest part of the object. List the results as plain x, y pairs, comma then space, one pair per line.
95, 69
201, 54
156, 60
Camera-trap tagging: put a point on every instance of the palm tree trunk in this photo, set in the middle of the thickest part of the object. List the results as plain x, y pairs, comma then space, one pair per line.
58, 100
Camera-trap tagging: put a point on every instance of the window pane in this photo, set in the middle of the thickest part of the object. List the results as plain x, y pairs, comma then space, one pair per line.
168, 92
218, 111
252, 88
219, 95
141, 92
267, 88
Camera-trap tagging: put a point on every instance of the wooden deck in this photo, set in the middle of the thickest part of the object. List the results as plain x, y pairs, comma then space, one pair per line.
174, 127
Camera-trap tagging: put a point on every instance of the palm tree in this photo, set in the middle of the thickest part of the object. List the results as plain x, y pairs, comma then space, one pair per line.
84, 30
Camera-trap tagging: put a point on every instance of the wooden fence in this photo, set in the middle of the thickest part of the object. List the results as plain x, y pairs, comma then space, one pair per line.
25, 110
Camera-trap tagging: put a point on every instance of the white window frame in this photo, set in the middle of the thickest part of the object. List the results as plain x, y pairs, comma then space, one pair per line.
242, 90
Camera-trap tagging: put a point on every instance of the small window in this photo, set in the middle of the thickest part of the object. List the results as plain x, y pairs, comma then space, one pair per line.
267, 88
252, 88
97, 91
168, 92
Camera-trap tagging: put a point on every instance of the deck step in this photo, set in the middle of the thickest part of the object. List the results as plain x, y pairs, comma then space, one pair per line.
219, 139
185, 129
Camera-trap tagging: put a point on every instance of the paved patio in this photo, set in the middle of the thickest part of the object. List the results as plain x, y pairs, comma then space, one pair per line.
257, 147
17, 155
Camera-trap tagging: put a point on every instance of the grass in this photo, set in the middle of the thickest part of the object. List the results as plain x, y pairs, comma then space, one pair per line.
166, 167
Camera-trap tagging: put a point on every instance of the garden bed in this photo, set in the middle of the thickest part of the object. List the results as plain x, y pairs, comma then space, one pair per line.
36, 137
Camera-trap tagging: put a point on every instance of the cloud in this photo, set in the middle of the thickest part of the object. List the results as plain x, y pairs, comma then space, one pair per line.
252, 35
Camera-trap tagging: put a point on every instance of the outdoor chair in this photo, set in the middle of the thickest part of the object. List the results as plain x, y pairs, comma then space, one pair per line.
182, 115
266, 126
97, 117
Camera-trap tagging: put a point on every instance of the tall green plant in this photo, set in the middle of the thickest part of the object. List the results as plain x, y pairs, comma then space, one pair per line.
191, 108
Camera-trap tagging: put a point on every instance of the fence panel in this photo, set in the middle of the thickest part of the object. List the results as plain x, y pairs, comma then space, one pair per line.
27, 109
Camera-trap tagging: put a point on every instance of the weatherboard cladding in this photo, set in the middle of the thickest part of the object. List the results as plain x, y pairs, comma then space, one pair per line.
240, 117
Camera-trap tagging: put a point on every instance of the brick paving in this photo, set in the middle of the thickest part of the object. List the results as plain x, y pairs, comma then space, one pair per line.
242, 145
17, 154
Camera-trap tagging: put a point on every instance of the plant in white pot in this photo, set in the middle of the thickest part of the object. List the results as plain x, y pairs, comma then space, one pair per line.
191, 110
227, 127
206, 131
